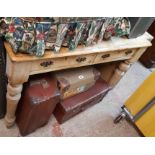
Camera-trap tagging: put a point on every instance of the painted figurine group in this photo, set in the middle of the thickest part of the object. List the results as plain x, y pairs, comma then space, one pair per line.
34, 35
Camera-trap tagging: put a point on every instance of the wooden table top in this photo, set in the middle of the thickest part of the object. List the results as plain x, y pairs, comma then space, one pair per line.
114, 44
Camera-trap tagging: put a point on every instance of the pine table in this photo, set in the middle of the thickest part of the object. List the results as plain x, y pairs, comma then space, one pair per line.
115, 57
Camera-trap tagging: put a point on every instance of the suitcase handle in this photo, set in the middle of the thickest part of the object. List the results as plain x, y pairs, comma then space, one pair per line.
128, 52
80, 59
46, 63
105, 56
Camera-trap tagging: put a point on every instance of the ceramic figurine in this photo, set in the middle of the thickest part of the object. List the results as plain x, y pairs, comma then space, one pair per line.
122, 27
41, 33
103, 28
95, 26
84, 34
69, 34
78, 32
51, 36
110, 29
28, 38
118, 26
62, 29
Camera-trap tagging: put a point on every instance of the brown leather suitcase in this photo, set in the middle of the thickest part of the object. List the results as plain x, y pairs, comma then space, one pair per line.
71, 106
38, 101
74, 81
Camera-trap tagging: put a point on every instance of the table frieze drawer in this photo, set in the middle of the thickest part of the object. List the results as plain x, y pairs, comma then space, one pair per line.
49, 64
114, 56
81, 60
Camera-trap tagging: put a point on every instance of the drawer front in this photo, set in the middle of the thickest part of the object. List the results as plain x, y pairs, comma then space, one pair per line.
81, 60
113, 56
49, 64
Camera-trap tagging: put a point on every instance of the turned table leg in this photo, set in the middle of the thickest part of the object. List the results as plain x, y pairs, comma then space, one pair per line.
119, 73
17, 73
13, 96
124, 66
